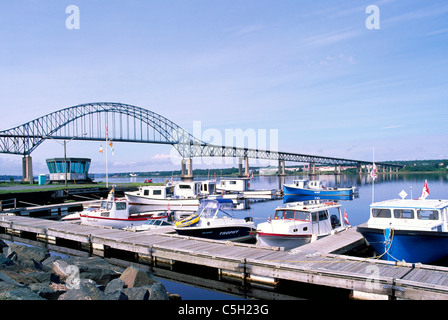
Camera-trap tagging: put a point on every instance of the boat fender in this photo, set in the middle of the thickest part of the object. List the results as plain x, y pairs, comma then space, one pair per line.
313, 237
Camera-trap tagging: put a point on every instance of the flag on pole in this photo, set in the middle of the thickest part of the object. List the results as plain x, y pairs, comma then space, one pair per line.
425, 191
346, 218
112, 146
373, 172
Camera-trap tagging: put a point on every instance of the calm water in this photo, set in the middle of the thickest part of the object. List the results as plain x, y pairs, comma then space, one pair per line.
387, 186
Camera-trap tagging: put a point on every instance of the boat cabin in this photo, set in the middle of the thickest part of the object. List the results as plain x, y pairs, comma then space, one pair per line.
187, 189
113, 209
306, 183
233, 185
208, 187
409, 214
317, 219
157, 192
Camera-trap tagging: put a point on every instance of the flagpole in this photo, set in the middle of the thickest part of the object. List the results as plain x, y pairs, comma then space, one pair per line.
373, 179
107, 162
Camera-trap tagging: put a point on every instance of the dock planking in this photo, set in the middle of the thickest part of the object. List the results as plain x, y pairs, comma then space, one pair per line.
315, 263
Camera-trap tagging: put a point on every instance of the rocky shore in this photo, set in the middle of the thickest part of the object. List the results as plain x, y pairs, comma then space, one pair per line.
31, 273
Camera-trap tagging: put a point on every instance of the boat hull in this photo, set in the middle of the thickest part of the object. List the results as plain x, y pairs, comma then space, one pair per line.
291, 190
282, 240
232, 233
116, 223
408, 245
175, 204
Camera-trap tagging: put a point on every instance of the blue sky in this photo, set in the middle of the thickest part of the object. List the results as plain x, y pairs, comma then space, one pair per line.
309, 69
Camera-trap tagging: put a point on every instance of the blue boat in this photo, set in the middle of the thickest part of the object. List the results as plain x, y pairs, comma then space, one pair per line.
305, 187
408, 230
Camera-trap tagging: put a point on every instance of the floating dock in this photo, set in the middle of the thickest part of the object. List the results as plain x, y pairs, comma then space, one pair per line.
313, 264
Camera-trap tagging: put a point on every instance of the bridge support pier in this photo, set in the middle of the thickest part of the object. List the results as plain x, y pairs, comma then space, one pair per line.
281, 174
312, 172
246, 167
187, 170
27, 169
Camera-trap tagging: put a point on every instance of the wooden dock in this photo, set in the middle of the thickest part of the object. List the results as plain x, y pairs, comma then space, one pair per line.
312, 264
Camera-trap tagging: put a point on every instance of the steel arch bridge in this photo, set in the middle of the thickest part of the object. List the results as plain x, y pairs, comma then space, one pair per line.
120, 122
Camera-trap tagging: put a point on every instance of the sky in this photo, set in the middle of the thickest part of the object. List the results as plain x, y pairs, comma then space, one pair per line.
313, 72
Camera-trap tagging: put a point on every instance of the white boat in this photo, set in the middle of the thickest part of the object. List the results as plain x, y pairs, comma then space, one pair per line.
114, 213
180, 196
151, 224
298, 223
226, 186
305, 187
214, 221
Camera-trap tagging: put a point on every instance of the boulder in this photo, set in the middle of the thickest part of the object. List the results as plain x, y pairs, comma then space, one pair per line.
114, 286
29, 253
95, 268
158, 292
47, 291
19, 293
136, 277
137, 293
86, 291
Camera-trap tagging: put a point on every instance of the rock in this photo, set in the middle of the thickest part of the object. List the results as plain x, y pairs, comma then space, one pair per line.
135, 277
137, 293
30, 253
4, 261
114, 286
28, 273
95, 268
117, 295
47, 291
86, 291
19, 293
62, 269
48, 263
158, 292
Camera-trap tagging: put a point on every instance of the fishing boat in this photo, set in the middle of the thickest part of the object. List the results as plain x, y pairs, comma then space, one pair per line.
213, 220
314, 187
179, 196
114, 213
298, 223
413, 230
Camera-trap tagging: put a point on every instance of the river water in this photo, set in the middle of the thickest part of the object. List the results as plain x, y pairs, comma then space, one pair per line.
385, 187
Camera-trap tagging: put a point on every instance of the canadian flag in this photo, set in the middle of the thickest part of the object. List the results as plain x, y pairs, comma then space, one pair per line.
425, 191
346, 218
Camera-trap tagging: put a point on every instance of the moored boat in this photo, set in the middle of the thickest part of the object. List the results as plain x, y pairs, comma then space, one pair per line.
214, 221
315, 188
180, 196
114, 213
298, 223
413, 230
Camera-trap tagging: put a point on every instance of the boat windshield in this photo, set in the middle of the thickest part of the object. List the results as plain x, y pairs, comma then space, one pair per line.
106, 205
292, 215
209, 209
